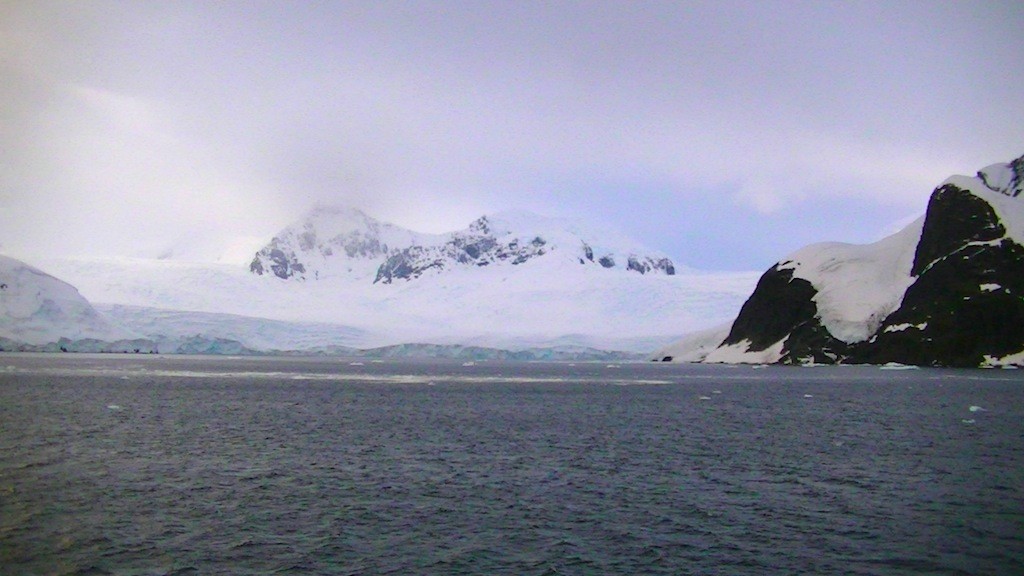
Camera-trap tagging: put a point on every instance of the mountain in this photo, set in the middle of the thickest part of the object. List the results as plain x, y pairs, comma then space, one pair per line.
331, 241
947, 290
37, 308
340, 279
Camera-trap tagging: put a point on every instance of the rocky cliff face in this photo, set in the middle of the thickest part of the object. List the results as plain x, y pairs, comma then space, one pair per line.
946, 291
966, 307
330, 241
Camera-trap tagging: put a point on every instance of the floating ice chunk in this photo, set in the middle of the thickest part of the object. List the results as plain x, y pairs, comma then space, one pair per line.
977, 409
897, 366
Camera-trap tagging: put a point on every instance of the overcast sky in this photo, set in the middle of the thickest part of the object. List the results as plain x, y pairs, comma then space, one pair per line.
725, 134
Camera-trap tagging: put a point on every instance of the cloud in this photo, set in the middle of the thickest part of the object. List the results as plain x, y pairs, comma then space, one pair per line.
134, 124
762, 196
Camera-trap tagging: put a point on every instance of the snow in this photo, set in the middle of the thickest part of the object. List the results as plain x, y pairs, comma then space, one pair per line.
1001, 186
320, 238
548, 301
171, 329
740, 353
897, 366
695, 346
568, 236
858, 285
905, 326
540, 303
1010, 360
37, 308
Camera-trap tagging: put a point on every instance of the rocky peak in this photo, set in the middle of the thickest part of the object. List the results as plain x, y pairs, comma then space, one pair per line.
344, 239
959, 303
328, 233
516, 238
1006, 179
955, 219
481, 225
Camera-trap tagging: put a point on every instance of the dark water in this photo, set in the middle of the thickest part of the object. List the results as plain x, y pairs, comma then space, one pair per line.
129, 465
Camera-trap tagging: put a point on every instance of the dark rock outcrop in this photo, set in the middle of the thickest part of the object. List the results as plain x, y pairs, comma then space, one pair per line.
783, 307
644, 265
964, 306
281, 264
475, 248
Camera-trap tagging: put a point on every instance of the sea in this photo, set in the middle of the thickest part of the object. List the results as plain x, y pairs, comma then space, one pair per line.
160, 465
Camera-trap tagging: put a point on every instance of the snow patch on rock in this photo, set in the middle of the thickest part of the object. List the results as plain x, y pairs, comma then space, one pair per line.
858, 285
740, 353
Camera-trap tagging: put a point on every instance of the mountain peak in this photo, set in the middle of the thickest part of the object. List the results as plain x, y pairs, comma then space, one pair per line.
326, 236
1000, 187
517, 237
943, 291
332, 239
1006, 179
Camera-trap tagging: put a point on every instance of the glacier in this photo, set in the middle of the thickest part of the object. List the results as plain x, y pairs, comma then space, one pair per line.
556, 294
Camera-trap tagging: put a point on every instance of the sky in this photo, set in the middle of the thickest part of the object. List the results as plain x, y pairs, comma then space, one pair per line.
724, 134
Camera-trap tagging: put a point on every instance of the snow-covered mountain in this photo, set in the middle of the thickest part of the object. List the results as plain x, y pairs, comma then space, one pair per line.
511, 281
331, 241
37, 308
946, 290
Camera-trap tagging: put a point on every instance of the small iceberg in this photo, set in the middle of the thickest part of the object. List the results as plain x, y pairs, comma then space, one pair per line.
898, 366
